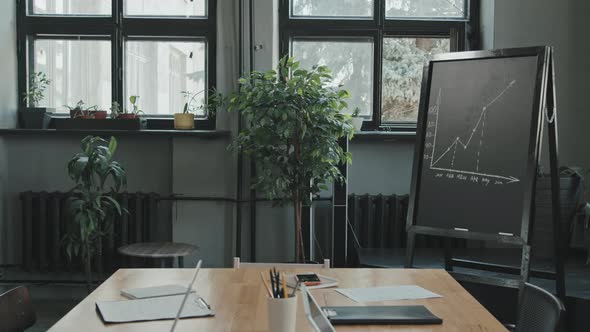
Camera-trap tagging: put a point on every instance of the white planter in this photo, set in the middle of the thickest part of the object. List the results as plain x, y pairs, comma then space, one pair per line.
357, 123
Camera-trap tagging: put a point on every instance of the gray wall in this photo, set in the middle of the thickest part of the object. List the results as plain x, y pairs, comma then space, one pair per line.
563, 25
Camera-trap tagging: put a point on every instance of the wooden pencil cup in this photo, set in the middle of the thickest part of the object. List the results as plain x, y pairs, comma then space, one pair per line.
282, 314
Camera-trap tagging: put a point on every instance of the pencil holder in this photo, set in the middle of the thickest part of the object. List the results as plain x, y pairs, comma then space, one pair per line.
282, 314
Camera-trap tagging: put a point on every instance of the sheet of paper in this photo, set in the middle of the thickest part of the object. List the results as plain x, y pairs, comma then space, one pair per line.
390, 293
155, 308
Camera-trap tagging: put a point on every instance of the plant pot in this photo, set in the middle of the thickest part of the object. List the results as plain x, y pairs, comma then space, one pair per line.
100, 115
184, 121
34, 117
127, 116
357, 123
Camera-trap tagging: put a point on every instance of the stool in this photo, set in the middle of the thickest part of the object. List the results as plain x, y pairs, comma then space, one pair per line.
159, 250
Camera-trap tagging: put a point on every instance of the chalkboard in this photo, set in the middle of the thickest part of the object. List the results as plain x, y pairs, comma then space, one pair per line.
478, 140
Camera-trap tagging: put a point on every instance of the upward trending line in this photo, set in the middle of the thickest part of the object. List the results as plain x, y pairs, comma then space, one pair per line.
458, 140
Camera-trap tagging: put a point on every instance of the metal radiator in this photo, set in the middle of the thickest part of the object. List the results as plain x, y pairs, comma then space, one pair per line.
44, 220
379, 221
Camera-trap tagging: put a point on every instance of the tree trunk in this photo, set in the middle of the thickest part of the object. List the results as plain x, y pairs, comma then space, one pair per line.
88, 269
299, 249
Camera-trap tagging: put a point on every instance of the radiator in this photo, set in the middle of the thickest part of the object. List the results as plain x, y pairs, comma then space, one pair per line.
44, 220
379, 221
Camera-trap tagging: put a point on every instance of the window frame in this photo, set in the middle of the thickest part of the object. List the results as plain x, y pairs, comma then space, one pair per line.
117, 28
462, 32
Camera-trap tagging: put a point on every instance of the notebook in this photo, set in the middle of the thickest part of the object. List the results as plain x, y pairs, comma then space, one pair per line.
399, 314
323, 319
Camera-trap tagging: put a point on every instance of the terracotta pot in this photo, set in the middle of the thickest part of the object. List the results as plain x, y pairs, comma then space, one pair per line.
184, 121
75, 114
128, 116
100, 114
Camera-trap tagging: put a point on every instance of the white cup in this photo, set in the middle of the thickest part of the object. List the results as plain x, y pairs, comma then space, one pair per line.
282, 314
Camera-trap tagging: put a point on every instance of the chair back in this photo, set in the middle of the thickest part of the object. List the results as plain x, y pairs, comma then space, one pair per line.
539, 311
238, 264
16, 310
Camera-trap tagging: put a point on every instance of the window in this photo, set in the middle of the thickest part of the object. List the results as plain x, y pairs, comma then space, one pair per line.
101, 51
377, 48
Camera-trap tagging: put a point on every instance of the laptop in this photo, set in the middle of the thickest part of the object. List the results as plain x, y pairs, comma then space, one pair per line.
322, 319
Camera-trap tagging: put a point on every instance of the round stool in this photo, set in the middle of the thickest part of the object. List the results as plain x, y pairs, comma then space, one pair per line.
159, 250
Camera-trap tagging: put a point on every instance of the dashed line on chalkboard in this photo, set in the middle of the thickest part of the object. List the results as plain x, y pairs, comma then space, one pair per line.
483, 125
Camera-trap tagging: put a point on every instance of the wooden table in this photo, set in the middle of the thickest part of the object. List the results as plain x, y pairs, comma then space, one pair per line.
239, 300
159, 250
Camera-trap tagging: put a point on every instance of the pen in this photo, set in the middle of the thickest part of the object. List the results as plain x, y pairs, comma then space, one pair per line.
284, 286
265, 284
272, 281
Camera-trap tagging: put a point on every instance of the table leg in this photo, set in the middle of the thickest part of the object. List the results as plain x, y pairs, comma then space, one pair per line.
180, 262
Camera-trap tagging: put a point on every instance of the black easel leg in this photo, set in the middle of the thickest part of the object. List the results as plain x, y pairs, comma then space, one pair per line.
410, 250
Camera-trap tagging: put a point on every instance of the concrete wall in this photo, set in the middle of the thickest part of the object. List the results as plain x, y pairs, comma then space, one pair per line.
562, 25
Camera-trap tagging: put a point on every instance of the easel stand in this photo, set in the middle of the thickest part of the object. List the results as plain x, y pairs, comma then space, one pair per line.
522, 241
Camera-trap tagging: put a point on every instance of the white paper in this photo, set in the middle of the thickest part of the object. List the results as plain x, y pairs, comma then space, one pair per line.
155, 308
390, 293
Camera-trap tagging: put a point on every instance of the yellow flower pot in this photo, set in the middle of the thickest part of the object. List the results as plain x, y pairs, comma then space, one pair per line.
184, 121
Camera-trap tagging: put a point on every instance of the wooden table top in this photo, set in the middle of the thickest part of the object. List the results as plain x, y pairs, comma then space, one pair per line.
238, 299
158, 249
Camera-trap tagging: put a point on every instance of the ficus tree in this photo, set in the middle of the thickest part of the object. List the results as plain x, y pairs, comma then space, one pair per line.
92, 203
294, 126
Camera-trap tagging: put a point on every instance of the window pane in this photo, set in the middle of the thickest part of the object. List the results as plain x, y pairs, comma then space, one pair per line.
330, 8
183, 8
403, 61
72, 7
78, 70
158, 72
351, 63
425, 8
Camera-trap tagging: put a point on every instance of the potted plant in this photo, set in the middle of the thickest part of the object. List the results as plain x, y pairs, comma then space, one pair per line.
357, 121
33, 116
79, 112
294, 125
186, 119
135, 111
92, 204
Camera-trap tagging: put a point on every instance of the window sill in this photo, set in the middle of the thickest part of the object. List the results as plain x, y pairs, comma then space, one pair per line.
386, 136
209, 134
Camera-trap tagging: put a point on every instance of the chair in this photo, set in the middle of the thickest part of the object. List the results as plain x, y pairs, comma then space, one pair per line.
16, 310
539, 311
238, 264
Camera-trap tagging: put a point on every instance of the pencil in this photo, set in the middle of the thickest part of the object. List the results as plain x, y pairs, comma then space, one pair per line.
265, 284
284, 286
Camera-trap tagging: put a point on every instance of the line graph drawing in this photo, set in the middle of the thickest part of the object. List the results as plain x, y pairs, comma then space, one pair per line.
463, 144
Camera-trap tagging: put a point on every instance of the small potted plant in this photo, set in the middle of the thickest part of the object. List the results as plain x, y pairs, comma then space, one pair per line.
115, 110
125, 113
186, 119
357, 121
33, 116
79, 112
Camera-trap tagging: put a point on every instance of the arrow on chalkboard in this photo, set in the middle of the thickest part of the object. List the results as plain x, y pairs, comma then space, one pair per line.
509, 179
